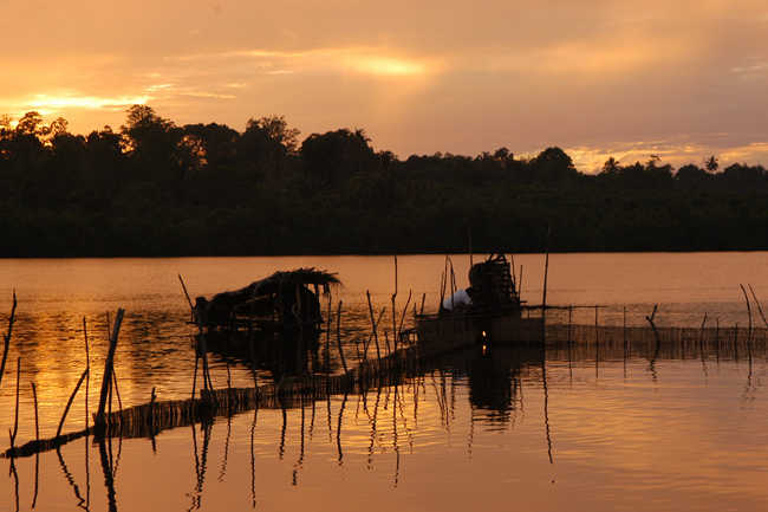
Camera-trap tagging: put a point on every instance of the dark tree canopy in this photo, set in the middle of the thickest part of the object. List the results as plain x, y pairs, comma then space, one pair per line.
156, 188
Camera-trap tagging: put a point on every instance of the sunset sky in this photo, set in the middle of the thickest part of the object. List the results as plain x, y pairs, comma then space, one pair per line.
681, 79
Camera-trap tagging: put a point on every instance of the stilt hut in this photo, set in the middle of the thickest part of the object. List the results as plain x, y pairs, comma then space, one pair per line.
283, 302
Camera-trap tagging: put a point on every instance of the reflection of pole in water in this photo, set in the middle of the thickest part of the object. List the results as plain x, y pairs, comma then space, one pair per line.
717, 341
652, 362
223, 471
70, 479
15, 474
401, 409
207, 428
395, 439
312, 421
546, 406
373, 427
281, 450
569, 343
471, 433
597, 345
109, 482
624, 332
701, 346
300, 462
338, 429
37, 438
253, 456
195, 495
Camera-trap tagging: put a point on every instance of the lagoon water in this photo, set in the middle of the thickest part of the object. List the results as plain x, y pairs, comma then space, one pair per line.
588, 428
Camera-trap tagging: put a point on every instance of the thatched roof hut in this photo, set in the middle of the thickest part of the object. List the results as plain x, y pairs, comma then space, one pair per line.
281, 300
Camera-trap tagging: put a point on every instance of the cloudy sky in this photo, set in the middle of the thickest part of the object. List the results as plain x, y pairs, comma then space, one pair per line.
680, 79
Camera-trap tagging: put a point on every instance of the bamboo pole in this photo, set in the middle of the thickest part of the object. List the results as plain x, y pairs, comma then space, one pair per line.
405, 310
338, 339
373, 325
546, 274
117, 390
394, 309
7, 337
69, 402
16, 414
37, 424
186, 294
88, 370
749, 331
749, 311
759, 307
108, 366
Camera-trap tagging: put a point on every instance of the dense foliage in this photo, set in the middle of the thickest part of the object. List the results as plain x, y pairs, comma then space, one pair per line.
154, 188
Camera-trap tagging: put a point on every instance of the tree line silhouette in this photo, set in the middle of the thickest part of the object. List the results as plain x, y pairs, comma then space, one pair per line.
154, 188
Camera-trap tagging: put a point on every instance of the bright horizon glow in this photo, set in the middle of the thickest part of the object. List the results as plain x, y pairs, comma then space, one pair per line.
586, 76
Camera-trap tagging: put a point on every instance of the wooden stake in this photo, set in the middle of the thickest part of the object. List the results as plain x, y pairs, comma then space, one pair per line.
37, 427
373, 325
759, 307
16, 414
69, 403
186, 294
394, 308
108, 366
7, 337
338, 339
88, 370
749, 311
546, 272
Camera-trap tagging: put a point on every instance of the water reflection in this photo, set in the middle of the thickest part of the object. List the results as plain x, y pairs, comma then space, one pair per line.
385, 423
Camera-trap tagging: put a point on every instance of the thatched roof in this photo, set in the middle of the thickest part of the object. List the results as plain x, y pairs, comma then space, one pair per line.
278, 281
291, 278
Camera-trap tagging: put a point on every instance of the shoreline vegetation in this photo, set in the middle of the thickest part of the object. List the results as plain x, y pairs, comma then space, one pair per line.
153, 188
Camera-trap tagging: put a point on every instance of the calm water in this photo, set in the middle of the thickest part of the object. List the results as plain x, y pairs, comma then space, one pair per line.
591, 427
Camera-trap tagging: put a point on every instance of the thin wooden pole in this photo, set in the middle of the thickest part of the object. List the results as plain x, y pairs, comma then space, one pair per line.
69, 402
328, 336
117, 390
749, 311
16, 414
546, 274
394, 309
108, 366
7, 337
88, 371
338, 339
37, 424
405, 310
759, 307
373, 325
186, 294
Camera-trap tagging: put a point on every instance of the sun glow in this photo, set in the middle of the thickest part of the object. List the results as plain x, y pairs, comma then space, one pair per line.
387, 66
48, 103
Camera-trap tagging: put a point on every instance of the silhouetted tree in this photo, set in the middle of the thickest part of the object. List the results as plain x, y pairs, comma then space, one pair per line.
336, 156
